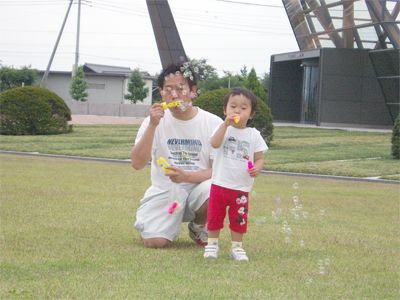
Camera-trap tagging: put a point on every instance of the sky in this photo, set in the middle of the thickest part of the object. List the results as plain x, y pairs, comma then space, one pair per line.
228, 34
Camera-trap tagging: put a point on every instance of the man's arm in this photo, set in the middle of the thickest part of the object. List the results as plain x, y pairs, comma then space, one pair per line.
180, 176
141, 152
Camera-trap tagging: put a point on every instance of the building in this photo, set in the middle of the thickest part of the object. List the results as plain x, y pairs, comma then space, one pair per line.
347, 69
107, 87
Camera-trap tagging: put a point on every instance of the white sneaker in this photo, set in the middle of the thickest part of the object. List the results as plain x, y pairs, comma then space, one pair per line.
200, 235
211, 251
239, 254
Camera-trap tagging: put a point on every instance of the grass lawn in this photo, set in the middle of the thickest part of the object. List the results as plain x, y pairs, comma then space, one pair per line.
67, 233
297, 150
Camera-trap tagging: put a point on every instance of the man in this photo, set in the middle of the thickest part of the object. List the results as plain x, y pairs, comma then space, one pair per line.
181, 135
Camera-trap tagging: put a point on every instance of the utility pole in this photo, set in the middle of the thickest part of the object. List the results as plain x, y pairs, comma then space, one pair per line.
77, 36
55, 46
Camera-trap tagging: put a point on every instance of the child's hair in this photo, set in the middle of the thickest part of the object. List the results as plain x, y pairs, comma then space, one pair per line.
181, 68
239, 90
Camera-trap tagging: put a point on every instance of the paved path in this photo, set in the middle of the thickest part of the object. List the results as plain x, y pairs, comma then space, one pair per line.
89, 119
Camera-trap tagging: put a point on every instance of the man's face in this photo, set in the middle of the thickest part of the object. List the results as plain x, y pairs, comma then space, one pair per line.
175, 89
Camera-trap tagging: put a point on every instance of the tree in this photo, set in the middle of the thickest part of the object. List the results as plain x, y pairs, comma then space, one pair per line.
79, 85
265, 85
136, 89
11, 78
254, 85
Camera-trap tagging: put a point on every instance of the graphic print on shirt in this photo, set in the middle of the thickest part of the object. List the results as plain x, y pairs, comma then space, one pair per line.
237, 150
184, 153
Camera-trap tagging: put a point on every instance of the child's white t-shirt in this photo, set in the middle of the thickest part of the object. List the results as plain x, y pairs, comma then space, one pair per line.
231, 161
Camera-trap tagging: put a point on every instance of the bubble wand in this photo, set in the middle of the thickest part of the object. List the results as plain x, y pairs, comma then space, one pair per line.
165, 105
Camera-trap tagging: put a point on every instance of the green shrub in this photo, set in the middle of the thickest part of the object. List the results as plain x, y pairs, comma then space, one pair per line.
213, 101
33, 110
395, 138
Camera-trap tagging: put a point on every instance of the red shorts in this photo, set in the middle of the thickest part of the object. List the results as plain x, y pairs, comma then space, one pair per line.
220, 199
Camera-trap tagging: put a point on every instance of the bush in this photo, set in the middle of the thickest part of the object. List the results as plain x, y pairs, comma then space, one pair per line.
33, 110
395, 138
213, 101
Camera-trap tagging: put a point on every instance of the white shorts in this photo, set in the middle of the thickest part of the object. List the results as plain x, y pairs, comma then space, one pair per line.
153, 219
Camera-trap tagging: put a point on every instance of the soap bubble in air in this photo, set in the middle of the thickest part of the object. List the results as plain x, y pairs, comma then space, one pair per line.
295, 185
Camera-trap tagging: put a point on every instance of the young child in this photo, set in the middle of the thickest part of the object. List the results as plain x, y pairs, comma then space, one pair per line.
233, 175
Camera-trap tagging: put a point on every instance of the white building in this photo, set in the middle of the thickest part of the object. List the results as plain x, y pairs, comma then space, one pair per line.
107, 87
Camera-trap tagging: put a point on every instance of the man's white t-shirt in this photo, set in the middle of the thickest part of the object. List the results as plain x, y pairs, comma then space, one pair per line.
184, 144
231, 161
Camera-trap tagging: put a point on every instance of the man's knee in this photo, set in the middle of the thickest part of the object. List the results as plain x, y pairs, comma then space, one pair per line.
156, 243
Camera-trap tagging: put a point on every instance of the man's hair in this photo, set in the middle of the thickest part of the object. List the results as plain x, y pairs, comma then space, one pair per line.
239, 90
180, 68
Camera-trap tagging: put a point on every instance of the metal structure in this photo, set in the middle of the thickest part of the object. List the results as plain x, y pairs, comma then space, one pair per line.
169, 44
347, 70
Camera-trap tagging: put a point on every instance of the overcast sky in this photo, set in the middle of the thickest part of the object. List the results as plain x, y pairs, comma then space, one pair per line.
229, 34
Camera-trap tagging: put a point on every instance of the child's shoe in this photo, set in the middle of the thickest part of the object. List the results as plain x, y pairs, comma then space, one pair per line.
211, 251
239, 254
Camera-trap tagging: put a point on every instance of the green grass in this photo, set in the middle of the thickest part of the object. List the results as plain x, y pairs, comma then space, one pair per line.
67, 233
298, 150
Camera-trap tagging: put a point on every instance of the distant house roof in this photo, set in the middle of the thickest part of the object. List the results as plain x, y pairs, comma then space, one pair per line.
94, 69
104, 70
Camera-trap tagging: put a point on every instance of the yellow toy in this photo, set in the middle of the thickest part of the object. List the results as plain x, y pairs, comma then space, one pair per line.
163, 163
172, 104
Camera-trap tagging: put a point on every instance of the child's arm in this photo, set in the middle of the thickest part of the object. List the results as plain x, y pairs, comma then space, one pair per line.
218, 137
258, 164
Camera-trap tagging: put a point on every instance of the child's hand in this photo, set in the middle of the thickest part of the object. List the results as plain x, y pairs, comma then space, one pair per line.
254, 172
230, 120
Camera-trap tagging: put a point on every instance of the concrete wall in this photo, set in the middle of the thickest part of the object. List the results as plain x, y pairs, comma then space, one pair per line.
108, 109
349, 90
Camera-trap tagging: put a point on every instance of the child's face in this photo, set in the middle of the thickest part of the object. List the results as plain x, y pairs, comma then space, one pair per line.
239, 105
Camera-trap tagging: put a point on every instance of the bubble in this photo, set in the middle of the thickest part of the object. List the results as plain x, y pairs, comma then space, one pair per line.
166, 78
296, 216
171, 75
320, 262
263, 219
198, 92
191, 78
276, 219
182, 58
278, 200
289, 230
177, 73
309, 282
322, 270
279, 211
182, 69
287, 239
305, 214
186, 65
253, 193
196, 69
258, 222
327, 261
205, 72
184, 92
162, 93
295, 185
302, 243
202, 77
296, 200
322, 212
285, 224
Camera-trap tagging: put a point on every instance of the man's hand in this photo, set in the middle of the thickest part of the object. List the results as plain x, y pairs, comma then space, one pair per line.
178, 176
156, 113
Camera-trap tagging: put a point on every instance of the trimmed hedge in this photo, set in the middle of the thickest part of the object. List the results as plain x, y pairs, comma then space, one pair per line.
213, 102
395, 138
33, 110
